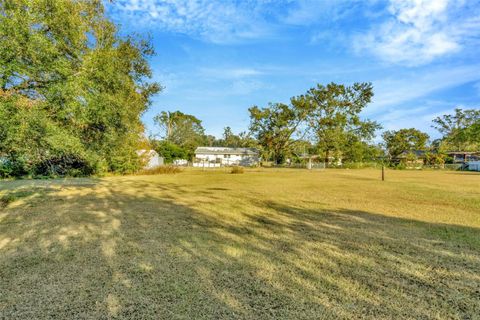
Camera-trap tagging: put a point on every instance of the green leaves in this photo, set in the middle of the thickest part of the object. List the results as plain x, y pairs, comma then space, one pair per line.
460, 130
70, 85
183, 130
275, 126
404, 141
329, 114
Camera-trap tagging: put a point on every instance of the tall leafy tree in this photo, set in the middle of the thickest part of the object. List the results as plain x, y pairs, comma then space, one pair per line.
404, 140
334, 116
247, 140
474, 133
63, 62
167, 120
232, 140
182, 129
277, 127
460, 130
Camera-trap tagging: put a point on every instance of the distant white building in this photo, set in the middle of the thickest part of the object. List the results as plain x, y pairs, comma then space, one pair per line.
180, 162
151, 158
473, 165
222, 156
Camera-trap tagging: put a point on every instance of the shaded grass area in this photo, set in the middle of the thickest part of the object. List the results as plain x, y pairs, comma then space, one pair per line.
266, 244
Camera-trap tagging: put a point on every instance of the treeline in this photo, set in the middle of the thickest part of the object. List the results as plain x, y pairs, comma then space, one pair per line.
180, 134
324, 122
71, 90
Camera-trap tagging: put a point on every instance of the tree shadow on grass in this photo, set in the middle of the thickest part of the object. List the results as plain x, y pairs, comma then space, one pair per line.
106, 252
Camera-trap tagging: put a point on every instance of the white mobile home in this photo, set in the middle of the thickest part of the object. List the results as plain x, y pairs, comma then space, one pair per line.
473, 166
222, 156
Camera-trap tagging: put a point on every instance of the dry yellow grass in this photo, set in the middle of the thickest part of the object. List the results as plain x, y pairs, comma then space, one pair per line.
167, 169
266, 244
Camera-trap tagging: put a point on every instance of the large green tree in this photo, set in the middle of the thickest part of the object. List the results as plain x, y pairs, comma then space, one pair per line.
232, 140
278, 127
184, 130
460, 130
334, 117
404, 140
71, 90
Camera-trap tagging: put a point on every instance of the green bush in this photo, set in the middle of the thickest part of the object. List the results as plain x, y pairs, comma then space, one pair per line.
13, 167
64, 165
170, 151
237, 170
5, 169
399, 166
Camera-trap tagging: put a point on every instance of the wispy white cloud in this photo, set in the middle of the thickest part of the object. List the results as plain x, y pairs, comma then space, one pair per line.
419, 31
396, 114
230, 73
239, 80
403, 88
212, 20
244, 87
311, 12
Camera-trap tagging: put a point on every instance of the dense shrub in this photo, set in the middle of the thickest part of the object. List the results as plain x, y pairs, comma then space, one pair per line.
237, 170
170, 151
13, 168
64, 165
399, 166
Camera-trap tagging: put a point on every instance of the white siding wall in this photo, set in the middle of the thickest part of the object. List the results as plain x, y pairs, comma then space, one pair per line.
474, 166
220, 159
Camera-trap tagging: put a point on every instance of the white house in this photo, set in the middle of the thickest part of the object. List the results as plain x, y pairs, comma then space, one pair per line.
151, 157
473, 165
180, 162
222, 156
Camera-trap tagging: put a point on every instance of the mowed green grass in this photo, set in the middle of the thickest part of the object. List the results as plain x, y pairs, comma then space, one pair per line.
267, 244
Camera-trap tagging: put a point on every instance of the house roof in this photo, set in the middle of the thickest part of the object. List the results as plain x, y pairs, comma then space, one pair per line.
417, 153
225, 150
463, 152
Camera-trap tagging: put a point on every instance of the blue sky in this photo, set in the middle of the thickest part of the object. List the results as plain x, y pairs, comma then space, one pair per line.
217, 58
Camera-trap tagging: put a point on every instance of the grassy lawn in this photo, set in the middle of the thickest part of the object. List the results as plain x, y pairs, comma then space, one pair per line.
269, 243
